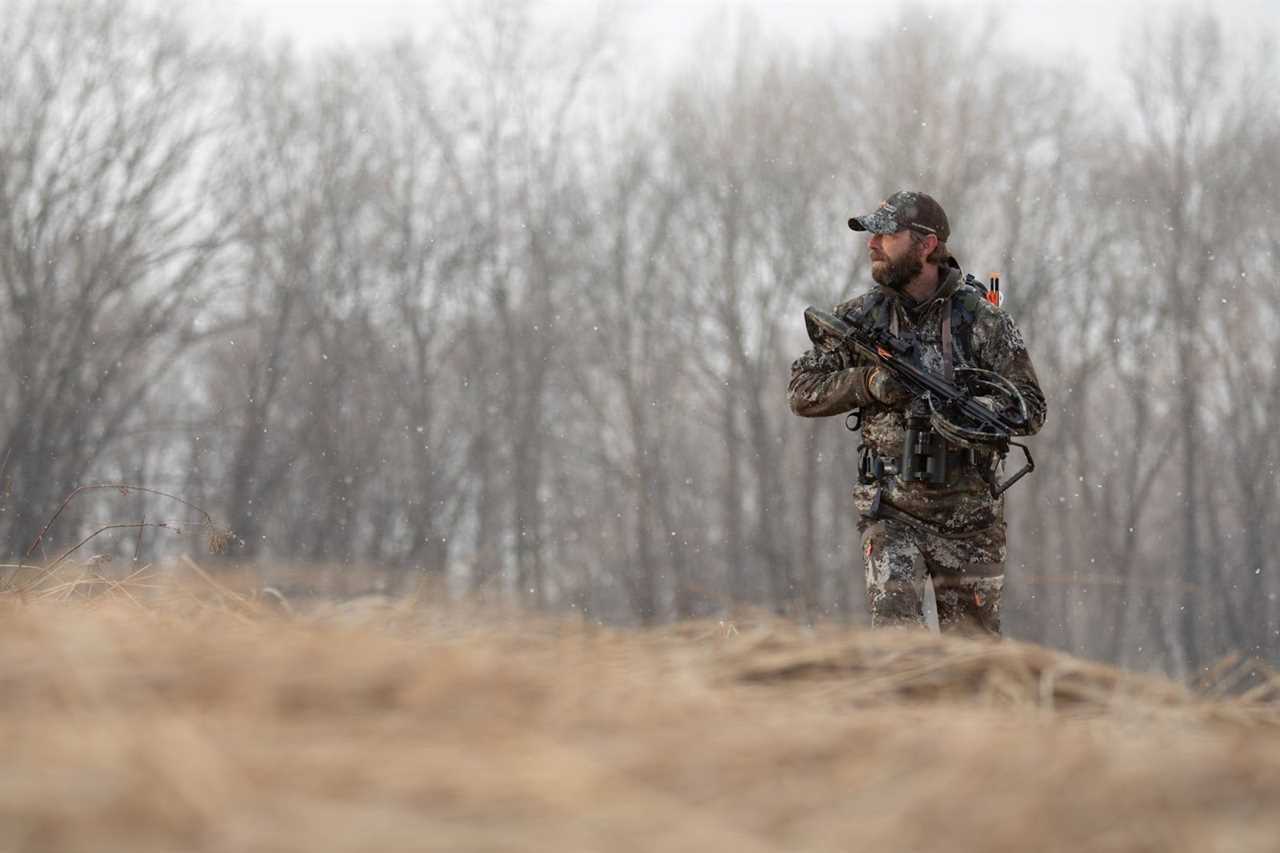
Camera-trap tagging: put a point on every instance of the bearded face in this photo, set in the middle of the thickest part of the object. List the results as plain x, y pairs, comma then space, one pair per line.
896, 272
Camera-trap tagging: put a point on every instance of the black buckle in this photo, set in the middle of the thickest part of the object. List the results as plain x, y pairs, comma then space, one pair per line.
873, 468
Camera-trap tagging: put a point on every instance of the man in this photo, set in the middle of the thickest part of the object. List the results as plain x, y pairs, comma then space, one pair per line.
954, 531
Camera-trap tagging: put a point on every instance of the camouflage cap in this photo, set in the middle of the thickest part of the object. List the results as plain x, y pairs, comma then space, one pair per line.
905, 209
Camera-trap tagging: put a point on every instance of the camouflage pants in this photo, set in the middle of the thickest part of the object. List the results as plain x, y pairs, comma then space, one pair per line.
967, 573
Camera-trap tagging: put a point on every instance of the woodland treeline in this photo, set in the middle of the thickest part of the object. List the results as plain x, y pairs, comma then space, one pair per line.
481, 304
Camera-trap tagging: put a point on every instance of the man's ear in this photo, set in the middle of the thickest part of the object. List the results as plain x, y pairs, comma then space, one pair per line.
930, 242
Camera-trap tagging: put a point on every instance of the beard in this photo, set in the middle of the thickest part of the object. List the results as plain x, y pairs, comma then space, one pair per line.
897, 274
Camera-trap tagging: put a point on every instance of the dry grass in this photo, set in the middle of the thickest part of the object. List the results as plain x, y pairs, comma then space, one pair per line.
154, 716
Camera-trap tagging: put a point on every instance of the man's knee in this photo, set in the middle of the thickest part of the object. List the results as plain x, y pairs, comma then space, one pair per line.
969, 606
895, 602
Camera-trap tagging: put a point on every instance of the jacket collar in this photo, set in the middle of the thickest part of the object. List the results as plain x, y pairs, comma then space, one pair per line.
950, 279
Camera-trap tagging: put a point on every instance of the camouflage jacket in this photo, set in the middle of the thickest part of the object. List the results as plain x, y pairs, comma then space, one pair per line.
983, 335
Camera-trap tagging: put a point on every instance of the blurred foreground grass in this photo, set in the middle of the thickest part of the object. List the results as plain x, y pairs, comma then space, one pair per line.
183, 715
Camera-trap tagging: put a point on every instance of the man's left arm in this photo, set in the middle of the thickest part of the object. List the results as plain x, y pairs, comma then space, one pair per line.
1000, 349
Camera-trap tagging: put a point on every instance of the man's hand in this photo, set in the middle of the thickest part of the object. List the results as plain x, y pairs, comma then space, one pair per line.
885, 389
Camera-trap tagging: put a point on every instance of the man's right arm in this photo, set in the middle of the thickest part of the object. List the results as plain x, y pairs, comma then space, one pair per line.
827, 383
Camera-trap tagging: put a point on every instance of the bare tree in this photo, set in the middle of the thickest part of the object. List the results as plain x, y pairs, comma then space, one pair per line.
104, 242
1185, 172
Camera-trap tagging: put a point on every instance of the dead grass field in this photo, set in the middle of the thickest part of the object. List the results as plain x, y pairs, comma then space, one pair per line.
186, 718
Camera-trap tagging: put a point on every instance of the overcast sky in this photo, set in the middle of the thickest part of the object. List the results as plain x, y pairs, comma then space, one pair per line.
1088, 31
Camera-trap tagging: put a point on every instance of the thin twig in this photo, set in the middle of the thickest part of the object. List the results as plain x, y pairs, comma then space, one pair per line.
49, 570
217, 539
124, 489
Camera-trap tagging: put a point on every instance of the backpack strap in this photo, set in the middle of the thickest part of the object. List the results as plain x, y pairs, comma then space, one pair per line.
948, 343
